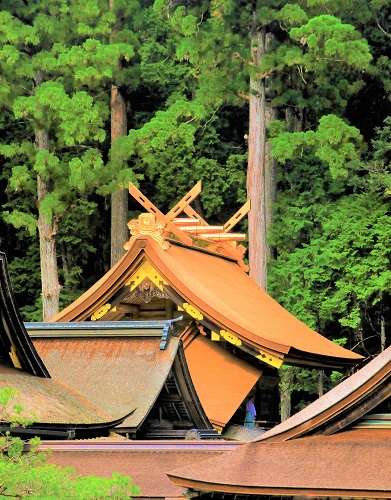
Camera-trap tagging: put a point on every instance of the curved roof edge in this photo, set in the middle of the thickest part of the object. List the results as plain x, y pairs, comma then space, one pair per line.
348, 465
19, 349
342, 405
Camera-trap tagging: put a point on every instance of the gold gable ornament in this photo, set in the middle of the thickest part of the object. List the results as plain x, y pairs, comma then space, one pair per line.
146, 225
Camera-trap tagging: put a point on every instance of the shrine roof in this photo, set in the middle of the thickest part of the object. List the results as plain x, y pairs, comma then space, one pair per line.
118, 373
201, 268
54, 403
145, 462
219, 376
53, 408
353, 464
224, 295
342, 405
16, 348
122, 374
336, 447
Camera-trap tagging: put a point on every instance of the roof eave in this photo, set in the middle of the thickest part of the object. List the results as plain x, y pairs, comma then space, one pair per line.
198, 488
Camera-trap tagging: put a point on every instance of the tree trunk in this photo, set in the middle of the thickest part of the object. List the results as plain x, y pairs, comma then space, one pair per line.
270, 180
383, 337
286, 382
119, 200
320, 383
256, 165
47, 228
262, 168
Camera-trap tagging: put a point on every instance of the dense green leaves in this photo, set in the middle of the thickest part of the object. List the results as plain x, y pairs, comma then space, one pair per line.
334, 142
26, 474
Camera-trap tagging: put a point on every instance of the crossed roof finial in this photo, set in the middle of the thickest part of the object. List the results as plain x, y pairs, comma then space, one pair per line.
193, 227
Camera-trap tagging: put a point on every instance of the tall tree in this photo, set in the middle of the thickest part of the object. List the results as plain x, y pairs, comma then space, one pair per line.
56, 65
119, 199
123, 13
272, 45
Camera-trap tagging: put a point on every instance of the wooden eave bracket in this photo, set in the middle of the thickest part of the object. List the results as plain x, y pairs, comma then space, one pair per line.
244, 210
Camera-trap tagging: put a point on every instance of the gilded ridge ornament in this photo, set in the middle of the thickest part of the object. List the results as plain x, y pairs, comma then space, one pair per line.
147, 225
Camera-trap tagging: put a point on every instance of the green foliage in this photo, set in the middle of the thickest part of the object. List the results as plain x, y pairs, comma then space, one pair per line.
302, 385
42, 481
334, 142
333, 266
11, 412
26, 473
186, 71
329, 39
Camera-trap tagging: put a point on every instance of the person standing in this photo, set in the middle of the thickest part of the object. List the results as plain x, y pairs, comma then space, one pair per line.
251, 413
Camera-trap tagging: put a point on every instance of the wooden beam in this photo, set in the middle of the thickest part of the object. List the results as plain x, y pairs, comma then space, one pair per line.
203, 229
193, 214
185, 201
236, 218
225, 236
150, 207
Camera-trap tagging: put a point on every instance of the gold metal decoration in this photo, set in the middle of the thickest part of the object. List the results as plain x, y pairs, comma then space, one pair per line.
99, 313
14, 357
191, 311
145, 270
269, 359
147, 225
230, 337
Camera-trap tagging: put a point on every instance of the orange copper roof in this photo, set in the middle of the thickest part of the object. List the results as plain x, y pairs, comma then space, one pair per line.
145, 462
221, 380
122, 374
201, 269
353, 464
226, 299
348, 460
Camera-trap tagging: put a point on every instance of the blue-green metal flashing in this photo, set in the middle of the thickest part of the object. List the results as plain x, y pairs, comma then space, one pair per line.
161, 328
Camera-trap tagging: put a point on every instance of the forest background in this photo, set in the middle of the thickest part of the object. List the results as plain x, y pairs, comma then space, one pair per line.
287, 104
